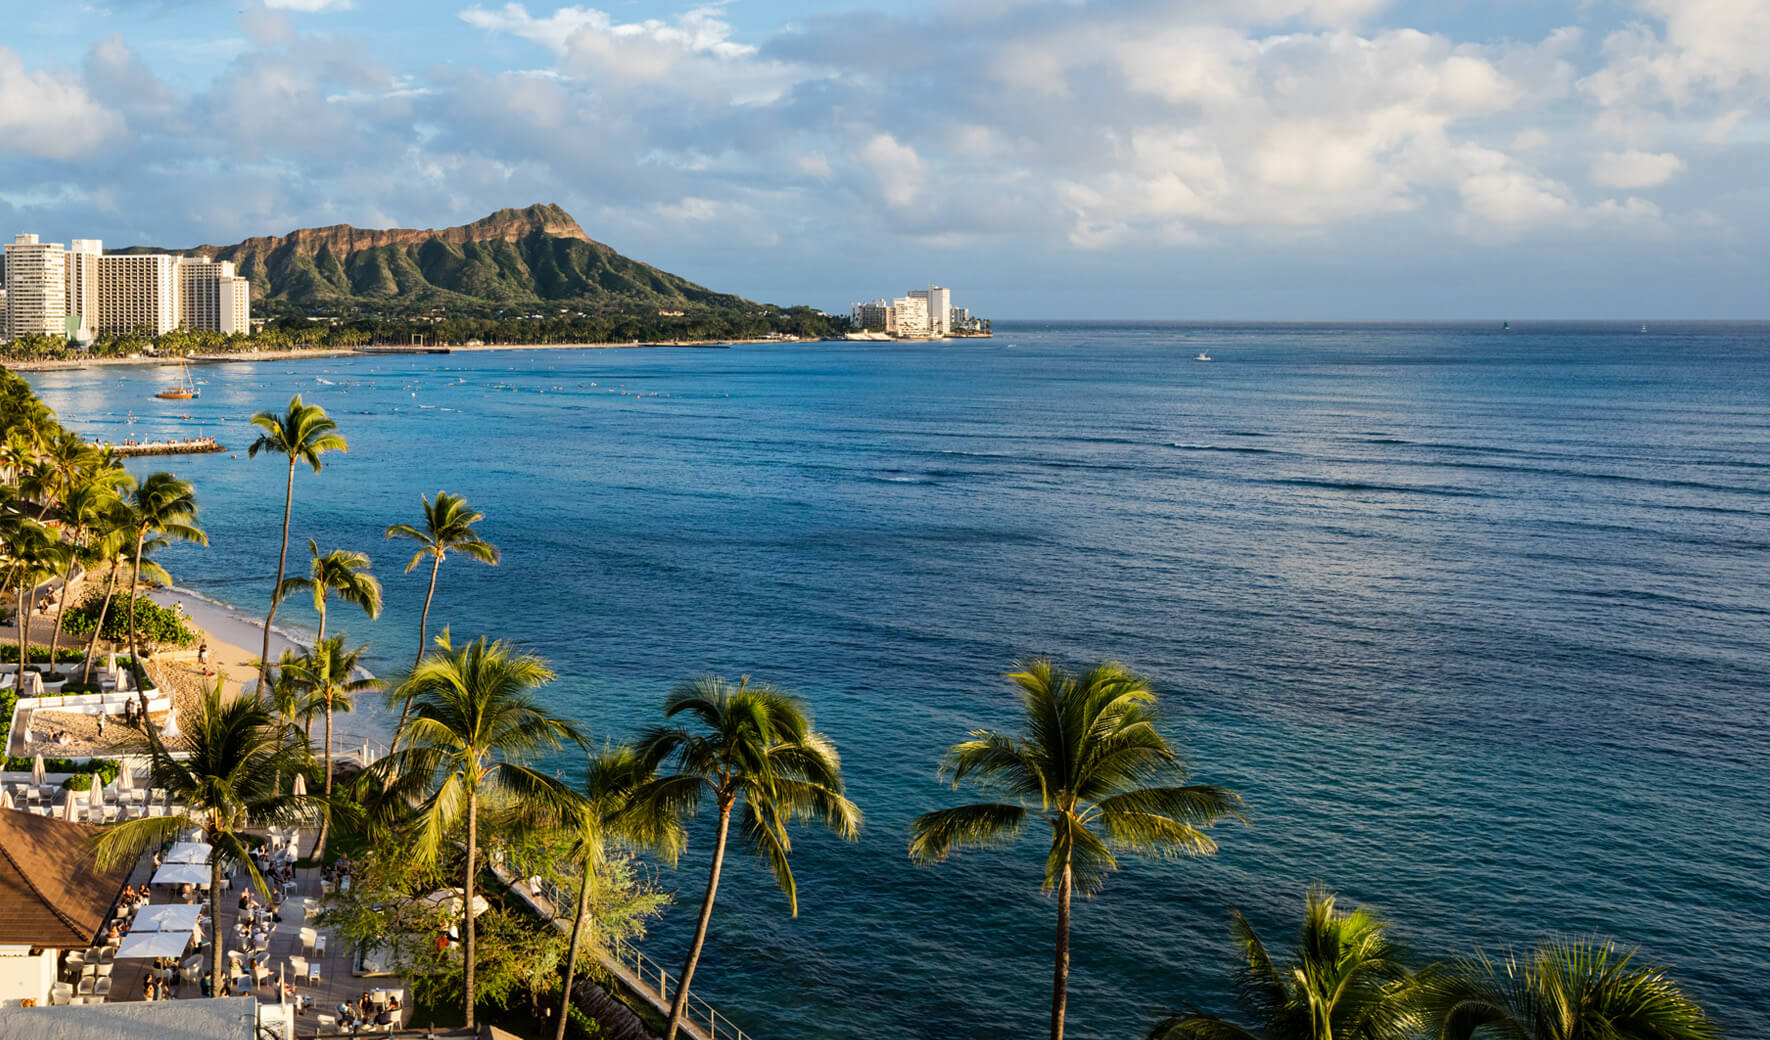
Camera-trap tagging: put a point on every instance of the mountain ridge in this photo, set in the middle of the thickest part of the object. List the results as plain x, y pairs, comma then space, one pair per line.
536, 254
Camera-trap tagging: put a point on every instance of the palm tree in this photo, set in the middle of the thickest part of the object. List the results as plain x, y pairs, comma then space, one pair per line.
1090, 760
475, 724
112, 538
1347, 980
608, 813
339, 571
1565, 990
84, 510
166, 508
755, 746
220, 773
448, 527
303, 434
36, 556
328, 677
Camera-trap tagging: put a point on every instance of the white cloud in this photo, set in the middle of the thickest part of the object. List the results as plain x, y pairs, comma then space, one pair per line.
814, 164
1635, 169
899, 169
689, 209
50, 116
310, 6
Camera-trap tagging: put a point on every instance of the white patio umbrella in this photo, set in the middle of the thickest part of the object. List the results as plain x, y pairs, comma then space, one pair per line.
125, 779
5, 800
170, 729
37, 771
67, 806
450, 899
300, 788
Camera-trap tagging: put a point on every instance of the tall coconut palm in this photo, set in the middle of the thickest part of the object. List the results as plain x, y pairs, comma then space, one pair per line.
113, 541
609, 814
302, 434
220, 773
165, 508
1093, 766
83, 514
328, 678
340, 572
36, 556
1564, 990
1346, 980
754, 744
448, 527
475, 725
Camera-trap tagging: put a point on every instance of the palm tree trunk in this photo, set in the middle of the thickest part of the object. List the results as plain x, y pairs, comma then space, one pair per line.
319, 848
215, 936
571, 956
423, 632
67, 585
467, 897
1060, 976
680, 1004
282, 562
104, 606
24, 628
136, 670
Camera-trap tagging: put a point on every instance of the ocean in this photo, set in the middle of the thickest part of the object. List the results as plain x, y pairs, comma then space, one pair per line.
1475, 620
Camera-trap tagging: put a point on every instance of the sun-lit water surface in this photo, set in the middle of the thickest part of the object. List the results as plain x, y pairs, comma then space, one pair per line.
1476, 621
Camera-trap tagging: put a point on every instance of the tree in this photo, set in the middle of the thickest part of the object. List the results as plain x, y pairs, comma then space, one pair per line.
113, 538
448, 527
340, 571
1346, 980
608, 813
1565, 990
221, 774
35, 556
755, 745
166, 508
302, 434
87, 513
475, 723
327, 675
1090, 761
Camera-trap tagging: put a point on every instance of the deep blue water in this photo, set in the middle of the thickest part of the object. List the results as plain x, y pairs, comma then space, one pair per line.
1476, 621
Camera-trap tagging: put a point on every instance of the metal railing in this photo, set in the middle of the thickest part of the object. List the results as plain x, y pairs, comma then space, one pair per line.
643, 970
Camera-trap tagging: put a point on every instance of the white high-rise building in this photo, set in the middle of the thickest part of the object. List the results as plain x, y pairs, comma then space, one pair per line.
912, 315
82, 286
235, 305
939, 304
210, 296
36, 288
138, 293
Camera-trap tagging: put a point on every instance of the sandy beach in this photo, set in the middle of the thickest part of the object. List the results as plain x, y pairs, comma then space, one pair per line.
233, 642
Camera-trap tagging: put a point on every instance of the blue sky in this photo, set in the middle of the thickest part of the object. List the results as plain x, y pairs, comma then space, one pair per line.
1286, 159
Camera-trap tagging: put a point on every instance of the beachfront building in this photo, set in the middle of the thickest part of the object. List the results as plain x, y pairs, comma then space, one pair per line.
211, 297
873, 317
82, 286
938, 303
912, 316
137, 293
36, 287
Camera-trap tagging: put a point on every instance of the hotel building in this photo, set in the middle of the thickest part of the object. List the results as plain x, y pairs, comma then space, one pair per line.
938, 303
77, 292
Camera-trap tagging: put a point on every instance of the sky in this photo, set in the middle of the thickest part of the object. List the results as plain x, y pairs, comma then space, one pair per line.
1084, 159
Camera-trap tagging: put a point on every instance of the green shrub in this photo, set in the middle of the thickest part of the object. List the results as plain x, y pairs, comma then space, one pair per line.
9, 651
155, 625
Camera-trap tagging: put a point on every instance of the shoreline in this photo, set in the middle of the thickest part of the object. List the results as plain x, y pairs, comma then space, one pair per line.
389, 350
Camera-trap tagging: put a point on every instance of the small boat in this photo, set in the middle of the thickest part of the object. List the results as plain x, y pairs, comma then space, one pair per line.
1505, 326
185, 390
1643, 328
1202, 357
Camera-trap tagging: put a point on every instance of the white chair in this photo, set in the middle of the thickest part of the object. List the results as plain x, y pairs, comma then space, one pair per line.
86, 984
102, 988
308, 937
297, 966
260, 976
60, 994
327, 1023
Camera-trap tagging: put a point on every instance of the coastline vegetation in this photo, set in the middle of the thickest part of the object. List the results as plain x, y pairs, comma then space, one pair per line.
465, 802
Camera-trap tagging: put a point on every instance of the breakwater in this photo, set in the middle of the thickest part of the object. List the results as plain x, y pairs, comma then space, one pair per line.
192, 446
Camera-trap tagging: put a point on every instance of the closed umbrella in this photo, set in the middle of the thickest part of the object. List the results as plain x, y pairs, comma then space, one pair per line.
67, 806
95, 796
300, 788
37, 771
125, 780
5, 800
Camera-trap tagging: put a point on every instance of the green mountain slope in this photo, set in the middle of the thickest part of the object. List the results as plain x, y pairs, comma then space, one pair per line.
510, 260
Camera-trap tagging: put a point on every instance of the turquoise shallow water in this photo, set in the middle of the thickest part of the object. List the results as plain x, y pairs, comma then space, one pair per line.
1476, 621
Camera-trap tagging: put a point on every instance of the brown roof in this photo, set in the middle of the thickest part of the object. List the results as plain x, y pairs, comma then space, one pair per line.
51, 890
